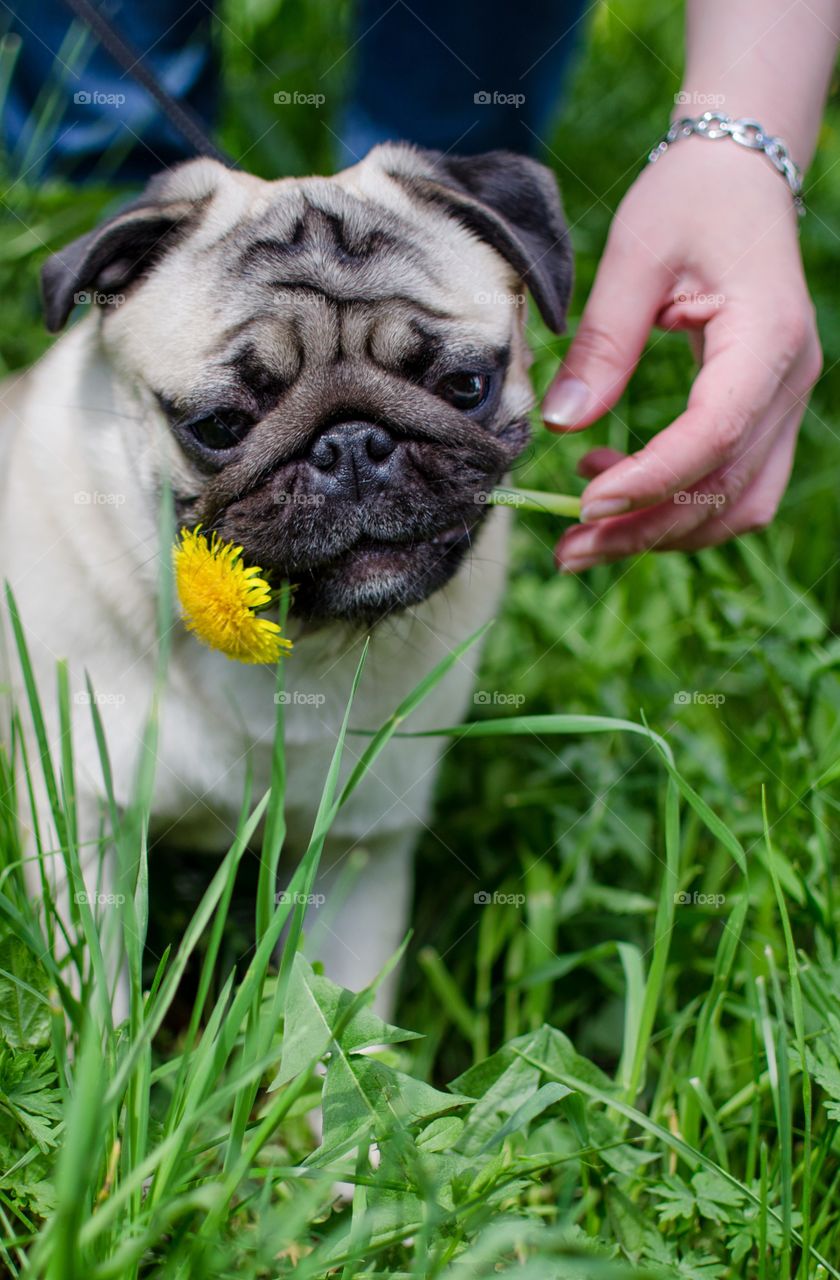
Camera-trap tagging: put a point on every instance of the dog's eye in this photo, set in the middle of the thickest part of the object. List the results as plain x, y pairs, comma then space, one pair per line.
464, 390
222, 429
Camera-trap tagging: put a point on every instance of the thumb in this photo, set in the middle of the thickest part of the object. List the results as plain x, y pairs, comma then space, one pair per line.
627, 296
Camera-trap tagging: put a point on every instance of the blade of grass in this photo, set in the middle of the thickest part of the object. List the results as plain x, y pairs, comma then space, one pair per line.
799, 1032
447, 991
784, 1119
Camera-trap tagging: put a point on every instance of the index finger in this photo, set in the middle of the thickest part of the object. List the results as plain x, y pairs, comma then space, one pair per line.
630, 288
735, 386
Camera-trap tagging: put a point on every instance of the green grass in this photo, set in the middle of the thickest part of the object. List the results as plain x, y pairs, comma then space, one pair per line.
629, 1060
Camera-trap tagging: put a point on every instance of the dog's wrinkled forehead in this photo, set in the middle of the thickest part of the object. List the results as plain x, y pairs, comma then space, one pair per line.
219, 274
320, 275
317, 235
314, 273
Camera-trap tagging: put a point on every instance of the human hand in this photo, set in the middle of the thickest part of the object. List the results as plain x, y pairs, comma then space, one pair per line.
705, 240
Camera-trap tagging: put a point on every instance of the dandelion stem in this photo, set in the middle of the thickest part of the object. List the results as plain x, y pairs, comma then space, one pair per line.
555, 504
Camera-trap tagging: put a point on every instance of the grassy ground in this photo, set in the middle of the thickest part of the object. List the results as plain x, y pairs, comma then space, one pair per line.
651, 1038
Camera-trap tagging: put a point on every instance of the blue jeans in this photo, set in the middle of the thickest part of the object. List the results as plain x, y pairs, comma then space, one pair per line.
459, 75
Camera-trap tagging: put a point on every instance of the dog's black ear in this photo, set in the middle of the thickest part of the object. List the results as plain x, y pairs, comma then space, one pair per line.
126, 247
512, 202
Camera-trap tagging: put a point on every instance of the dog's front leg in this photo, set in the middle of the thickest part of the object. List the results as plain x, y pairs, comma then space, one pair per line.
361, 908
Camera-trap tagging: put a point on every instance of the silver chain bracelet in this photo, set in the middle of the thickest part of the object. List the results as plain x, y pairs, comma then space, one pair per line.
747, 133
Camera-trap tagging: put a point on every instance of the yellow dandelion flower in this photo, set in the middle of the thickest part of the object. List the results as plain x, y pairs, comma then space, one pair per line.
220, 597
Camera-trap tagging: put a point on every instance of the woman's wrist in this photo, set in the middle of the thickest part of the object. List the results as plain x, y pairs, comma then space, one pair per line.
797, 132
736, 179
747, 134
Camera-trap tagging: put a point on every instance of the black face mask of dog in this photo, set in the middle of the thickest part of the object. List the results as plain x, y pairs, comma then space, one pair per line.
339, 364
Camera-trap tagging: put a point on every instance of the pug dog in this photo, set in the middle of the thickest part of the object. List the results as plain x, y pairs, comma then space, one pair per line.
333, 374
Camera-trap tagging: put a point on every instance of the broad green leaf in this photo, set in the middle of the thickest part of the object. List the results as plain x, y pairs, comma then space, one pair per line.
314, 1008
479, 1079
505, 1081
516, 1085
560, 1055
546, 1096
362, 1096
441, 1134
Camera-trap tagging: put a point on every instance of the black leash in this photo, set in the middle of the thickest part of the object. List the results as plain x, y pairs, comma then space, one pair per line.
126, 57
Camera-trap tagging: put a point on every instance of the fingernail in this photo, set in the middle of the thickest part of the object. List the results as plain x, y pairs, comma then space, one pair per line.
565, 402
577, 550
602, 507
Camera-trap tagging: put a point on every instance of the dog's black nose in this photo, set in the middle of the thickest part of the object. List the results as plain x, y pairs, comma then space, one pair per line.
352, 457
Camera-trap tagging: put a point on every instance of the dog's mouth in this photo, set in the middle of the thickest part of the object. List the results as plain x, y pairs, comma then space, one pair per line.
371, 549
375, 576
